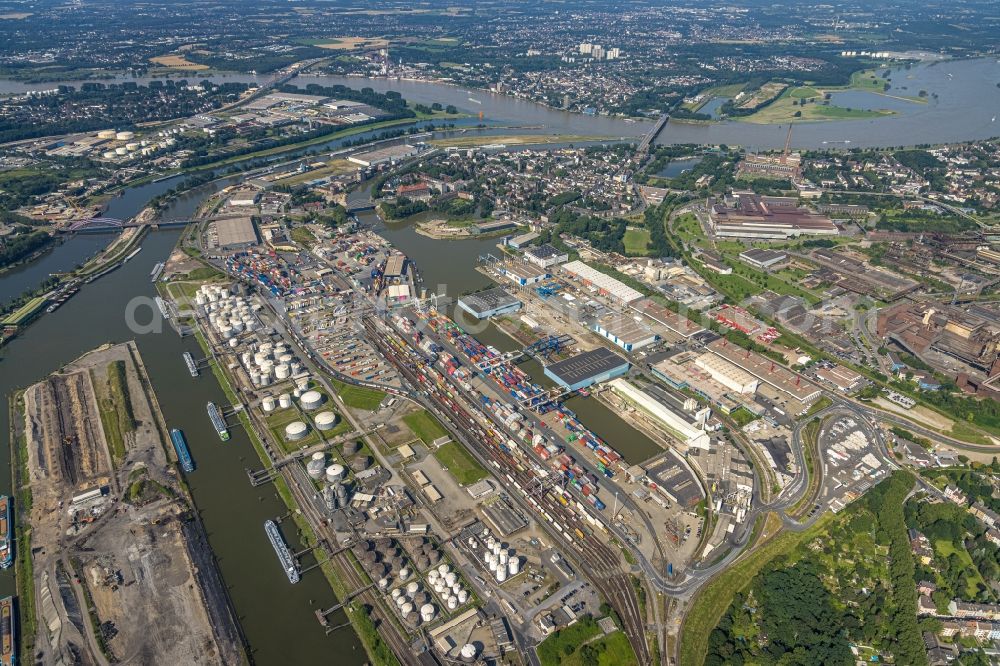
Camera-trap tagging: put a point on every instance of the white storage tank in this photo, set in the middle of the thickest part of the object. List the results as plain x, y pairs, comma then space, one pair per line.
234, 343
501, 574
125, 136
413, 587
267, 403
383, 583
335, 473
404, 573
514, 566
406, 609
468, 652
281, 371
452, 603
444, 569
106, 134
312, 400
109, 154
395, 593
296, 430
451, 579
326, 421
315, 469
120, 150
463, 596
433, 576
131, 147
284, 401
427, 612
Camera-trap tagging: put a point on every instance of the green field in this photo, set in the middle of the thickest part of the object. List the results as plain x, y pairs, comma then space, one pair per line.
805, 92
944, 549
457, 460
783, 110
360, 397
424, 426
636, 242
24, 312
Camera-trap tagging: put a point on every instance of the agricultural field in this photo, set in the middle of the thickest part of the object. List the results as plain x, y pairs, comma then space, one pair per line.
177, 62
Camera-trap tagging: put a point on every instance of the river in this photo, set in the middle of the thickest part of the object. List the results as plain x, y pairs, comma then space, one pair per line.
964, 109
277, 617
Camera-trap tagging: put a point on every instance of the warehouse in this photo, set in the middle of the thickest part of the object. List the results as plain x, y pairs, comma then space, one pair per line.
493, 227
606, 284
489, 303
234, 233
762, 259
383, 155
749, 215
587, 368
545, 256
677, 323
519, 242
766, 370
523, 273
732, 377
843, 378
626, 332
671, 477
686, 426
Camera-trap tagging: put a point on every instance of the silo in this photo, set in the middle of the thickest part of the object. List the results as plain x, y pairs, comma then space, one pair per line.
284, 401
335, 473
463, 596
267, 404
501, 574
296, 430
312, 400
514, 566
282, 371
452, 603
326, 421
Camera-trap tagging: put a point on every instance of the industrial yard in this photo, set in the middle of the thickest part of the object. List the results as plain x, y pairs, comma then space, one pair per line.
111, 524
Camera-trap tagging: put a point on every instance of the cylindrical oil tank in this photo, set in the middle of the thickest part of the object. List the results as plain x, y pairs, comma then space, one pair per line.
384, 583
413, 588
326, 421
286, 358
514, 566
312, 400
404, 573
406, 609
268, 402
315, 468
109, 154
234, 343
364, 462
335, 473
282, 371
427, 612
295, 367
463, 596
456, 588
468, 652
106, 134
444, 569
284, 401
400, 600
296, 430
432, 576
125, 136
132, 147
319, 455
351, 447
452, 603
501, 574
450, 579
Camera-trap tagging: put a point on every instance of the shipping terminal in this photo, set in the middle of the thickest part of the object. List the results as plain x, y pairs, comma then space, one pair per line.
218, 422
282, 550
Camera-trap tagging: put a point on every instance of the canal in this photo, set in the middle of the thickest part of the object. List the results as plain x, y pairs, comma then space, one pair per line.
276, 617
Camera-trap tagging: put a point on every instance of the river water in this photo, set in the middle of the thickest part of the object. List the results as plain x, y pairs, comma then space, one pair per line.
277, 617
965, 107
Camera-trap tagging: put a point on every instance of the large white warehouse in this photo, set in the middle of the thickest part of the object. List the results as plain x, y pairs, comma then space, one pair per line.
687, 427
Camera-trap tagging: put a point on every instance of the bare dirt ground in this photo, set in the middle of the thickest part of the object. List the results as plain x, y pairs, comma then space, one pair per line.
130, 553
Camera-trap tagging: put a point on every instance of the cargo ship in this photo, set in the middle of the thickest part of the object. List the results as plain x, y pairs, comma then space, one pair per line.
162, 305
282, 551
183, 453
154, 275
6, 532
192, 366
218, 422
8, 632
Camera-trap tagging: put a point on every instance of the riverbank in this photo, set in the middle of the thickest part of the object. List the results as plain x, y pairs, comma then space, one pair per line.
136, 503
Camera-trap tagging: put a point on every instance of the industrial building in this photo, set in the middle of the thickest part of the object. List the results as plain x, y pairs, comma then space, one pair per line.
625, 331
763, 259
731, 376
382, 155
605, 284
686, 422
545, 256
235, 233
767, 371
845, 379
670, 477
749, 215
587, 368
493, 227
489, 303
677, 323
522, 241
522, 273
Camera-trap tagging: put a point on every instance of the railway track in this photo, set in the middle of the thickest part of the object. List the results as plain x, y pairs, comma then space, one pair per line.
595, 557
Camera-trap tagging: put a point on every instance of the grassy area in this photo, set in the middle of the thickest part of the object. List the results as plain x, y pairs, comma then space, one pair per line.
359, 397
788, 108
554, 649
424, 426
810, 435
116, 410
742, 416
636, 242
203, 274
23, 568
462, 466
25, 312
715, 598
303, 236
944, 549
